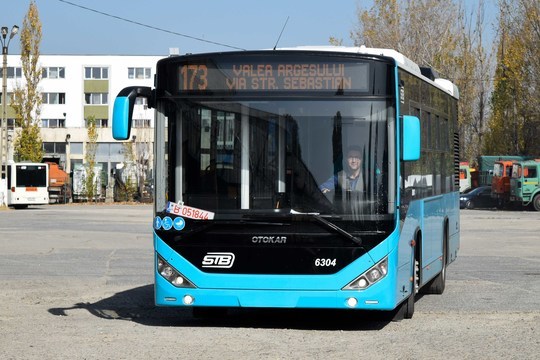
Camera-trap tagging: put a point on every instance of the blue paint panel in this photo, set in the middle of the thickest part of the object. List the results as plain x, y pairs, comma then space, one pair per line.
304, 291
120, 124
428, 215
434, 213
168, 295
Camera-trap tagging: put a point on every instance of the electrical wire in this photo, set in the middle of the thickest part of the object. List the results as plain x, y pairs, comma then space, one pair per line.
149, 26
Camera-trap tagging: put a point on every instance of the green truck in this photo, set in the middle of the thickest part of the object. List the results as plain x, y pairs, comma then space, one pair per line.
525, 183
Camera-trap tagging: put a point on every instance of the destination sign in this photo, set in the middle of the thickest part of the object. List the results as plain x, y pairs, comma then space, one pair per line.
274, 76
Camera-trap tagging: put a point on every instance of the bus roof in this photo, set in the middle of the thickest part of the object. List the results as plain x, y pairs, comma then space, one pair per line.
401, 60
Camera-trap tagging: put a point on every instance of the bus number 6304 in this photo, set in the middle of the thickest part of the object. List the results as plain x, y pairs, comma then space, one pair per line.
325, 262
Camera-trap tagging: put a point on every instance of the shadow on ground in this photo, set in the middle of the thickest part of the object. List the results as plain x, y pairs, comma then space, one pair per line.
137, 305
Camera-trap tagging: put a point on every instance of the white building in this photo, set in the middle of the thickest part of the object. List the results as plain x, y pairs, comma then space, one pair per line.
77, 87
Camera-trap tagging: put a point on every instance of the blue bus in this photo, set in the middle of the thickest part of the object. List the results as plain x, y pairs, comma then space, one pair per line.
245, 140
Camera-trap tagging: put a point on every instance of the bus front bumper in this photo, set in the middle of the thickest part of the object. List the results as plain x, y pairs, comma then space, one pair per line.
370, 299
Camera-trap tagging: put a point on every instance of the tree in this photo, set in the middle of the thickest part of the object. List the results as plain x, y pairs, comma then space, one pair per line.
380, 26
420, 30
474, 74
127, 189
530, 102
514, 126
26, 100
90, 159
416, 28
335, 41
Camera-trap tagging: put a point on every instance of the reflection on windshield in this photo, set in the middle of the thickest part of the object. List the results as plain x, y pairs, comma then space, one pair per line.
324, 157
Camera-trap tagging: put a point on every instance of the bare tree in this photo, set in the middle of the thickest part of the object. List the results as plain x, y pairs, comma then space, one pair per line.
474, 81
419, 29
439, 35
380, 26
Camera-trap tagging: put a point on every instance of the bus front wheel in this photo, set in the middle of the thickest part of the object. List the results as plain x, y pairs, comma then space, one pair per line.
437, 284
405, 310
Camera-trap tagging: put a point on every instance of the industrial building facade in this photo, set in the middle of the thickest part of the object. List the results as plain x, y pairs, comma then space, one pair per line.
76, 88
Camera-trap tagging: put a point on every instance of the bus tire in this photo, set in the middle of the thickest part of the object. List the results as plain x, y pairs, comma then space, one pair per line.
536, 202
438, 283
405, 310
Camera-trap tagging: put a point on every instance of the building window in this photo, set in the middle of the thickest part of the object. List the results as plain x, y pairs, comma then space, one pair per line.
100, 123
139, 73
102, 149
54, 148
54, 73
48, 147
9, 97
76, 148
116, 149
12, 72
53, 123
96, 98
96, 73
54, 98
141, 123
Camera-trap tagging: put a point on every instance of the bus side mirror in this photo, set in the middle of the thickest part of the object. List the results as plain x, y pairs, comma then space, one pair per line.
123, 109
410, 150
122, 112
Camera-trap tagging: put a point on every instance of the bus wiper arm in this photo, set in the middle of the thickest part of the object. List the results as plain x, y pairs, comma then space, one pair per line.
329, 225
270, 218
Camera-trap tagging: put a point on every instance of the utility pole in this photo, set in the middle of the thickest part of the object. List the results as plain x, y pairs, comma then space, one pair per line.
3, 127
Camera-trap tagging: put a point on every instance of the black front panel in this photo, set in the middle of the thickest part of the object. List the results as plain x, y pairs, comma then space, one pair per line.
253, 248
264, 259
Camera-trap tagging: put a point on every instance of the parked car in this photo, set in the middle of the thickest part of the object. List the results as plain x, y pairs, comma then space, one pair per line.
479, 197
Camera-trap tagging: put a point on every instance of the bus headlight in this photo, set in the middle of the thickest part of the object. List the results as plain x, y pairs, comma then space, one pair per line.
172, 275
370, 277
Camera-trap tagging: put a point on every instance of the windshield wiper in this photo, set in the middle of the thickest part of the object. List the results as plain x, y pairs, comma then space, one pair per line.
329, 225
267, 218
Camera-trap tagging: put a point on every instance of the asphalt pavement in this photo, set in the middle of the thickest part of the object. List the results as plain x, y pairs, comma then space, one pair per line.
77, 282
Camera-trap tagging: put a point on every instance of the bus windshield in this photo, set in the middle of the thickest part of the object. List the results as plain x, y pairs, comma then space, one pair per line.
288, 156
31, 175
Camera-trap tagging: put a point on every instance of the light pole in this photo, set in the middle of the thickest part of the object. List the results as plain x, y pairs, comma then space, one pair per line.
3, 130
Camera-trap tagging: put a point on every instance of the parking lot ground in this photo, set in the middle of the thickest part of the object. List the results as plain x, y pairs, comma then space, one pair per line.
77, 281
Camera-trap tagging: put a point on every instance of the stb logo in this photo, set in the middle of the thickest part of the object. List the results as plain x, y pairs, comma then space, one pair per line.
222, 260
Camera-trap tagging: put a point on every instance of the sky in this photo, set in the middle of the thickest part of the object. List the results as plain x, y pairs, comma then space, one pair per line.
244, 24
220, 25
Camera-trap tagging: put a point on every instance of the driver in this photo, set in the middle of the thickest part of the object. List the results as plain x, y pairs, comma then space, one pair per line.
350, 178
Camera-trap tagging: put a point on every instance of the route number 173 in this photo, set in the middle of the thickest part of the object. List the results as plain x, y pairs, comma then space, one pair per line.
194, 77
